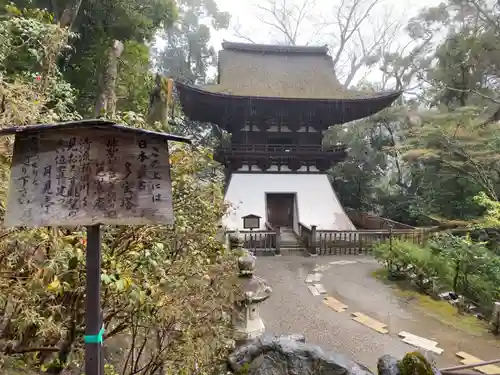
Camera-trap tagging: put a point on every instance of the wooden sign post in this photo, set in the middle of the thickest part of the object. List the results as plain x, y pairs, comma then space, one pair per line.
89, 173
251, 222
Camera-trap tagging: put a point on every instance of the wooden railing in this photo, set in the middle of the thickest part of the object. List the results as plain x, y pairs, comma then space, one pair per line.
361, 242
277, 148
308, 237
324, 242
256, 241
277, 238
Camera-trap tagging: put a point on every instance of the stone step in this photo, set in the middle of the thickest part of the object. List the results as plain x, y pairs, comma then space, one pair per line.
292, 249
284, 251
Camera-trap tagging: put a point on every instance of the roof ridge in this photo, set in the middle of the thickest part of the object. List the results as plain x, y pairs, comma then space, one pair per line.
274, 48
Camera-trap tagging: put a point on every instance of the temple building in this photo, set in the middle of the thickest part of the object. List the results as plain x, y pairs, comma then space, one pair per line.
276, 102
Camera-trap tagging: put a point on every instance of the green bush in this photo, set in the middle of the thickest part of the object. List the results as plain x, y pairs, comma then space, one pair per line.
467, 267
403, 259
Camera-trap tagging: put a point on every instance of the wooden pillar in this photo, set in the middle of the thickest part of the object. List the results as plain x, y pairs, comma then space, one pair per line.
495, 321
360, 243
313, 251
278, 241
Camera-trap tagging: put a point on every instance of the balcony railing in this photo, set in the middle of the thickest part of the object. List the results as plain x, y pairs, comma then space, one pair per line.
282, 149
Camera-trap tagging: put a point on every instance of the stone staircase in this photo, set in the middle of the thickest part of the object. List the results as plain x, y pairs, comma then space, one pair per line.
290, 242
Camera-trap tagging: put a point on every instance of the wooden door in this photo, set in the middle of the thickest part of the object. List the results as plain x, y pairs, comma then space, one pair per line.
280, 210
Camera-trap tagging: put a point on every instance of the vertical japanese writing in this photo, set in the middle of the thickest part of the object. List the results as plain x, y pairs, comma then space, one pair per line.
34, 160
76, 177
127, 201
99, 199
109, 200
61, 164
156, 175
85, 170
133, 178
28, 177
73, 189
65, 178
47, 192
142, 171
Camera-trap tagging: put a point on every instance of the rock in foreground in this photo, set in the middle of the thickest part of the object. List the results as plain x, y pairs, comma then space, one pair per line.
290, 355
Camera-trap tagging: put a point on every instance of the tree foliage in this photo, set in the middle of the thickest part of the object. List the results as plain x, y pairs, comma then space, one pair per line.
97, 24
424, 160
187, 52
166, 290
447, 262
174, 282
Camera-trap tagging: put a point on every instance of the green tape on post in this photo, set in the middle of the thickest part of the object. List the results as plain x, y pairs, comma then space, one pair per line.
94, 339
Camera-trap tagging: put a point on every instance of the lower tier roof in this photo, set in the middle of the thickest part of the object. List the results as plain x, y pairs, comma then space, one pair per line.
227, 110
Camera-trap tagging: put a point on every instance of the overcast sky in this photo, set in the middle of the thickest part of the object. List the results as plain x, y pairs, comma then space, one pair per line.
245, 18
245, 13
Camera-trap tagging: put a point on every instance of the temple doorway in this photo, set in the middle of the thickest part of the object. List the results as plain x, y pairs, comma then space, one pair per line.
280, 209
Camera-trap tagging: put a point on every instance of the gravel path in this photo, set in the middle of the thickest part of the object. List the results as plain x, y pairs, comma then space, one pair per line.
293, 309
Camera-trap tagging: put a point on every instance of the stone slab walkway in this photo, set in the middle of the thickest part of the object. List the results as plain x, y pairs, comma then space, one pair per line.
292, 308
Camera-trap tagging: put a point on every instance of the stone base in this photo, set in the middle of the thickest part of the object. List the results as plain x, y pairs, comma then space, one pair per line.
250, 331
247, 194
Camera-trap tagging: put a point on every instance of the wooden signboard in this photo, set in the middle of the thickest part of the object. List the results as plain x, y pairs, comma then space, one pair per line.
69, 177
251, 221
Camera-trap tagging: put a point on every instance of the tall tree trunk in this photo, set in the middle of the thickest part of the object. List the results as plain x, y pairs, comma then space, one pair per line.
66, 20
68, 15
158, 102
106, 100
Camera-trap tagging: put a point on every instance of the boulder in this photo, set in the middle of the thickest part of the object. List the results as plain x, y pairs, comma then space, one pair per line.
388, 365
287, 355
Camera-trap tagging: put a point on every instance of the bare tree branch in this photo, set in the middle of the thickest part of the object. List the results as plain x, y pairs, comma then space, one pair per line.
287, 21
241, 35
284, 17
354, 42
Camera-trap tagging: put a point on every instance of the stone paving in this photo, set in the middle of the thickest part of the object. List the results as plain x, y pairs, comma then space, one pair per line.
292, 308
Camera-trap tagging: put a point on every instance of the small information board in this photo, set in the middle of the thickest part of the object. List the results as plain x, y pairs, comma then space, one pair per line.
251, 221
79, 176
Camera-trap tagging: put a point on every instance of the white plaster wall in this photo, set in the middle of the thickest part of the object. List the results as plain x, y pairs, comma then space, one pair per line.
317, 203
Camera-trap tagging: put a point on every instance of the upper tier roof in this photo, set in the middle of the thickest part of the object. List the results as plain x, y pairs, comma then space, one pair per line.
292, 73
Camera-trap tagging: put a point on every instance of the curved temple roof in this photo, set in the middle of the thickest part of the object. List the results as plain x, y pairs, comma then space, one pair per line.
268, 73
274, 48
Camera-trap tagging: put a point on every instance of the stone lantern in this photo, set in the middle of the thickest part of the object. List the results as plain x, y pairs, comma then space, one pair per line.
254, 290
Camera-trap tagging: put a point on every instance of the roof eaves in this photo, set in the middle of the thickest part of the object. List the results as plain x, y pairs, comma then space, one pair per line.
370, 96
94, 123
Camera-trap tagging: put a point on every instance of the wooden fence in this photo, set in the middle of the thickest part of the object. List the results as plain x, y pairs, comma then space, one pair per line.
361, 242
257, 241
325, 242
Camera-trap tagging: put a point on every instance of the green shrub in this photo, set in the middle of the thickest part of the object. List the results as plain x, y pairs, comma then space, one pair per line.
403, 259
393, 256
468, 267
